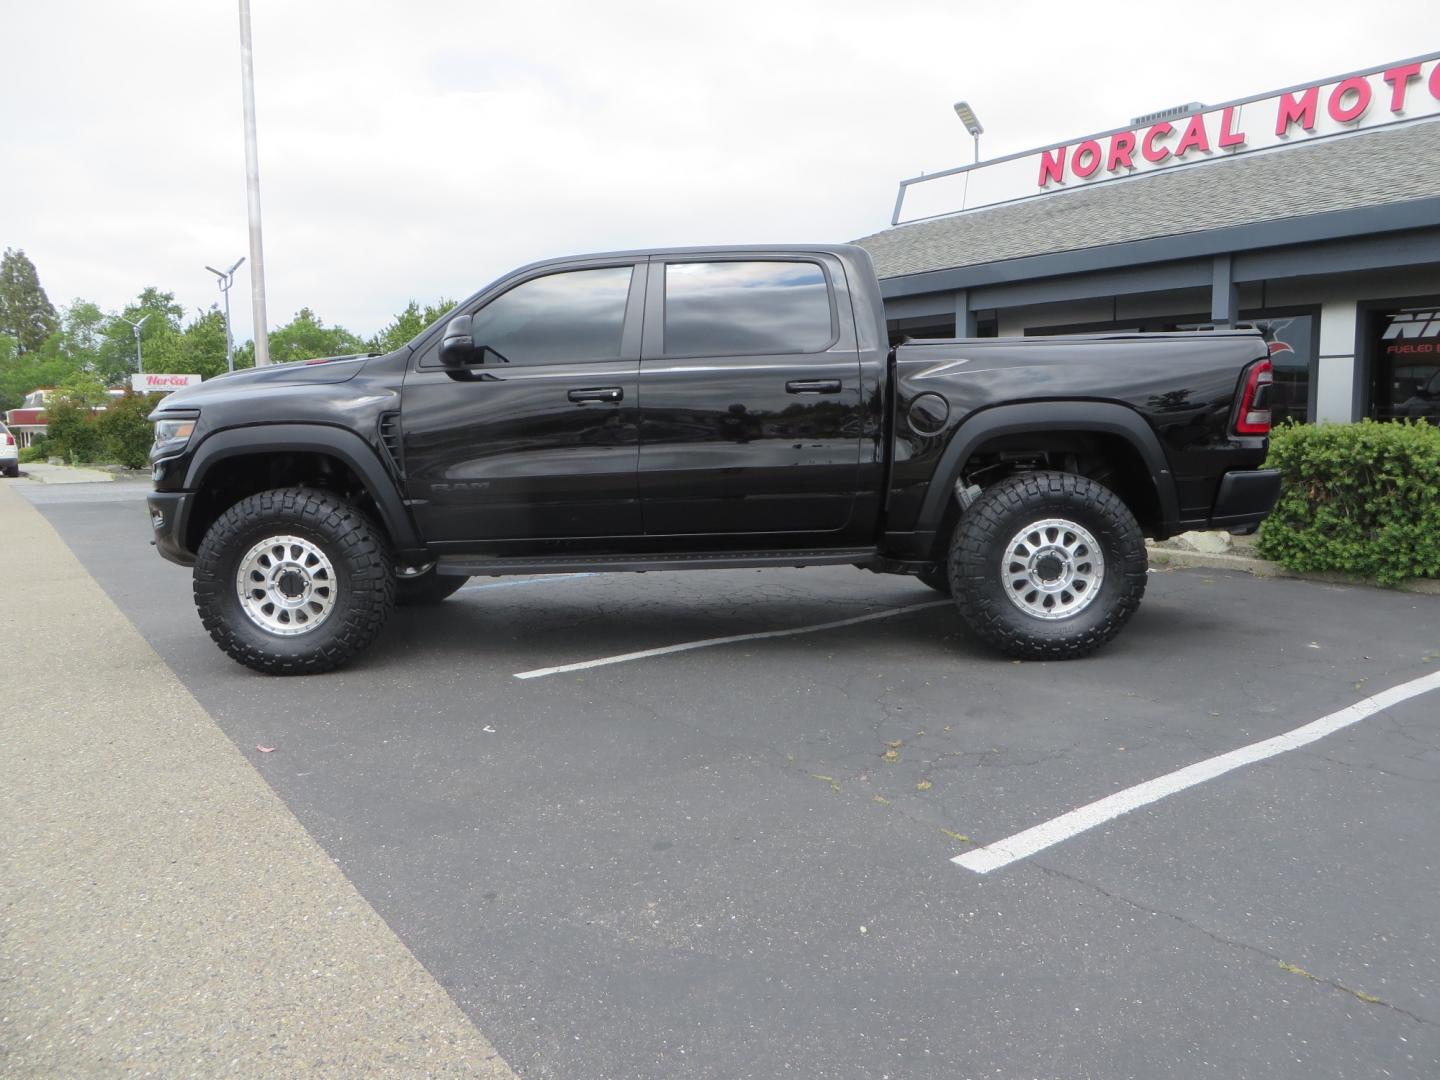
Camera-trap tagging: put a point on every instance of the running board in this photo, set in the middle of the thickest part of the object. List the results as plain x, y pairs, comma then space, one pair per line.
480, 566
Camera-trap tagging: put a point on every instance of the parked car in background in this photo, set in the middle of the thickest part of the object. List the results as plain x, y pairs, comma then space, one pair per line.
9, 453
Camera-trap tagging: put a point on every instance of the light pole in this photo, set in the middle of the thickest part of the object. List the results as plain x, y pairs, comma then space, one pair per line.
226, 279
972, 124
252, 192
139, 356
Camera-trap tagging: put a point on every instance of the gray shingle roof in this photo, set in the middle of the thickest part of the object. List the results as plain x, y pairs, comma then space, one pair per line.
1391, 165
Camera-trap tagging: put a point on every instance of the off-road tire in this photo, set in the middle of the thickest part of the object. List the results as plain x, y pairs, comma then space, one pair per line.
979, 556
426, 589
937, 576
355, 547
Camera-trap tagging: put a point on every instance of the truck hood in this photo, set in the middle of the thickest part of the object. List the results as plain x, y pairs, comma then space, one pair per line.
327, 369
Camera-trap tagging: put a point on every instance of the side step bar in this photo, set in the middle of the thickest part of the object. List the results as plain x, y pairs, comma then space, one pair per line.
480, 566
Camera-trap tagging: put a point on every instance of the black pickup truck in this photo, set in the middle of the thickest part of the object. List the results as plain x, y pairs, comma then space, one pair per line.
698, 409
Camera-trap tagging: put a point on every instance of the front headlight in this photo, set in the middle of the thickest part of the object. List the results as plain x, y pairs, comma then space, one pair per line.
172, 433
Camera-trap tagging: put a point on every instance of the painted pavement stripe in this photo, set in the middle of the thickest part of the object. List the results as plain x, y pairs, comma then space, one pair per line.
1024, 844
732, 639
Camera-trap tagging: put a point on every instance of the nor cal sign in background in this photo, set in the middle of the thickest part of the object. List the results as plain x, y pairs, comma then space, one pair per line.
1389, 94
161, 384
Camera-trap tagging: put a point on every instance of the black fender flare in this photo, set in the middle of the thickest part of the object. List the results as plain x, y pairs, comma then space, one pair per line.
340, 443
1100, 417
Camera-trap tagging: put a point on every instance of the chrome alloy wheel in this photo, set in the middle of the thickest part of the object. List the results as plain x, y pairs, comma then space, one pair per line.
1052, 569
286, 585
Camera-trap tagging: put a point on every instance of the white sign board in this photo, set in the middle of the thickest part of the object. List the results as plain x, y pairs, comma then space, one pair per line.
1390, 94
161, 384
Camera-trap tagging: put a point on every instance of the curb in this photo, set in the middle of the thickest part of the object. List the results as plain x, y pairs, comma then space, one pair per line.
1246, 564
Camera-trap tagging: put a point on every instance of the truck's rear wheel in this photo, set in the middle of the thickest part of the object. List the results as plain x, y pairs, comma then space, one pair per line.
1047, 565
426, 589
293, 581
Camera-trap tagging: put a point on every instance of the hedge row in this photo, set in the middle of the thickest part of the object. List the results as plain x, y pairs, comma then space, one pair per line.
120, 433
1358, 498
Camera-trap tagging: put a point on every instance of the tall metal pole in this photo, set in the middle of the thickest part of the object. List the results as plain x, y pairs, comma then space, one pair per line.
252, 191
226, 278
139, 356
229, 340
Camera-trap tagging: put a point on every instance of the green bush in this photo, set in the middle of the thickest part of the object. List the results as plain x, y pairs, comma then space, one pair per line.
71, 431
1359, 498
125, 434
36, 451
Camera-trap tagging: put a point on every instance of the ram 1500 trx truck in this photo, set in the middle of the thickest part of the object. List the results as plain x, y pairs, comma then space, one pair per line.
698, 409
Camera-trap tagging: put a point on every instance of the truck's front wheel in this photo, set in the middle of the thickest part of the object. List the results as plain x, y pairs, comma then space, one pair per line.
1047, 565
293, 581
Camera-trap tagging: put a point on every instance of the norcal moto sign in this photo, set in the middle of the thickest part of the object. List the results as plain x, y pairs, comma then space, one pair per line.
1389, 94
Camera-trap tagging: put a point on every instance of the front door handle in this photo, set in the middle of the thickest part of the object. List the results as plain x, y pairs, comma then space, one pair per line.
813, 386
597, 393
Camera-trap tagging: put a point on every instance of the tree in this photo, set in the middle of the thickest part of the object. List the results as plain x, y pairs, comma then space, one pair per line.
26, 313
71, 430
125, 433
19, 374
82, 333
408, 324
159, 337
202, 346
306, 336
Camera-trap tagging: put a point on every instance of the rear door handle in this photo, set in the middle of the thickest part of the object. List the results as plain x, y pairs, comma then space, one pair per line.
598, 393
813, 386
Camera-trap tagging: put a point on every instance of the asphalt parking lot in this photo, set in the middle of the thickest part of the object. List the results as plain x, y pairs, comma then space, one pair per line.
735, 860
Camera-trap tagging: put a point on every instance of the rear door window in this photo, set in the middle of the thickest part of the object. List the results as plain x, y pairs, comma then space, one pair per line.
747, 308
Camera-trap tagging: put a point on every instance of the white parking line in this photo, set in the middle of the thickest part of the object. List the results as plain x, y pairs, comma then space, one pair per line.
523, 581
705, 644
1027, 843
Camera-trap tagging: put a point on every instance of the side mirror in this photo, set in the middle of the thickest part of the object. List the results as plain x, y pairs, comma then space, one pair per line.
457, 347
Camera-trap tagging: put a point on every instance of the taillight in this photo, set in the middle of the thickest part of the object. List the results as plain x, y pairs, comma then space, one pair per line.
1253, 416
9, 440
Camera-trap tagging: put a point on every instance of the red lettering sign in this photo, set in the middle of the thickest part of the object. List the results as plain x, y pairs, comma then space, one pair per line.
1052, 166
1086, 159
1195, 137
1342, 113
1292, 111
1228, 135
1148, 149
1399, 80
1122, 148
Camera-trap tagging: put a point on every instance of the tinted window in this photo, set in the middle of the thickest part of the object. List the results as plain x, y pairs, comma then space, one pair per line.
719, 308
557, 319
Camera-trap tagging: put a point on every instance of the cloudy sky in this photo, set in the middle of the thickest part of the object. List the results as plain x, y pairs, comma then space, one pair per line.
420, 149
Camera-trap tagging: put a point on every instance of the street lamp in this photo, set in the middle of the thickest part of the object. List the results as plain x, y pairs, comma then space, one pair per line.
252, 191
226, 279
972, 124
139, 356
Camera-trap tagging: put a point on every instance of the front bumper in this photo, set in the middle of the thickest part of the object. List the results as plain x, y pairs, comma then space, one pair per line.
1245, 498
169, 514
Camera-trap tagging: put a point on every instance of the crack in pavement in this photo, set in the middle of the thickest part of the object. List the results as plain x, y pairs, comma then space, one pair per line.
1221, 939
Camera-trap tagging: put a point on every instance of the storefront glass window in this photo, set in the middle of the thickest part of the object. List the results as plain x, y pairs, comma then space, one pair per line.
926, 326
1291, 343
1407, 351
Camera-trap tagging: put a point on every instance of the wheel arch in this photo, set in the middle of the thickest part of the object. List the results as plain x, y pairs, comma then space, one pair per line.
1052, 425
234, 463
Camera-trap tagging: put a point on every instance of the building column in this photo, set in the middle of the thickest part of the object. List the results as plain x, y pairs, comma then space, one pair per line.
1337, 397
965, 323
1224, 294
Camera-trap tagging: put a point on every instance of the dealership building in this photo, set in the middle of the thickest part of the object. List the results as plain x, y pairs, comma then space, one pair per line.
1312, 213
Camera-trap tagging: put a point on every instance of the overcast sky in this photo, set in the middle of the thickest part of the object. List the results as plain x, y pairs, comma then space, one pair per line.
420, 149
